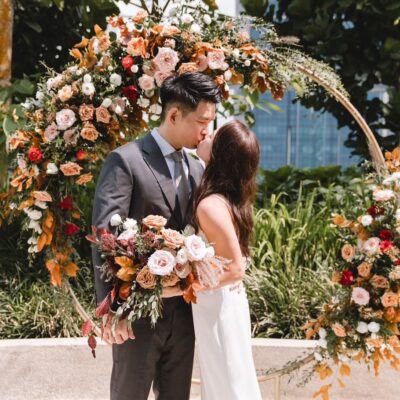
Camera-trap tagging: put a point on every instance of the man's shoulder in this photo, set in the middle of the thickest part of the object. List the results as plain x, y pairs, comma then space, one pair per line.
128, 149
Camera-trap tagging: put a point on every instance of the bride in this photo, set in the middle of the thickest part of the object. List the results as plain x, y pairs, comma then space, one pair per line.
223, 215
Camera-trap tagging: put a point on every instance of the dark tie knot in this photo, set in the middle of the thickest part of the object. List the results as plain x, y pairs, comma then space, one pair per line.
177, 156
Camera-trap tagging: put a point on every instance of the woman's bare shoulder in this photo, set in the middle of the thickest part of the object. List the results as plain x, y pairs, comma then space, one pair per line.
214, 207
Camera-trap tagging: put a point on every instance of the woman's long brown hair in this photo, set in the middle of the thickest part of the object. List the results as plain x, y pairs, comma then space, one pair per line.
231, 172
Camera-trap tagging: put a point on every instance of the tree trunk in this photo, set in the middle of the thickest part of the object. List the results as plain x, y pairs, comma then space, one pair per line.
6, 23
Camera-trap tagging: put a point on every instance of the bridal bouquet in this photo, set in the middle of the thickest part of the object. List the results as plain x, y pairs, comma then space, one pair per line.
361, 322
141, 260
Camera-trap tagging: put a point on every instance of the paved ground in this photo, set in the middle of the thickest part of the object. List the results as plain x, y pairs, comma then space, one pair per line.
63, 369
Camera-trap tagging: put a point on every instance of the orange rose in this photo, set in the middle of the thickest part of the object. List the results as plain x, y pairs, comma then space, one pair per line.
89, 132
86, 112
364, 270
379, 282
70, 168
348, 252
154, 221
374, 342
170, 280
390, 299
42, 196
137, 47
83, 179
140, 16
170, 30
172, 238
339, 330
187, 67
146, 279
102, 115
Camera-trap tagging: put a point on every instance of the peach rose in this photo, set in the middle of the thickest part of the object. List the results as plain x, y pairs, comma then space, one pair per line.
104, 42
160, 77
140, 16
70, 169
339, 330
187, 67
71, 137
364, 270
390, 299
378, 281
42, 196
172, 239
86, 112
348, 252
170, 280
146, 82
395, 274
146, 279
154, 221
102, 115
166, 59
89, 132
216, 59
137, 47
170, 30
65, 93
85, 178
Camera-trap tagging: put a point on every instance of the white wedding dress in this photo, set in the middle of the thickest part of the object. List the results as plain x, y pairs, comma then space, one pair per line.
223, 339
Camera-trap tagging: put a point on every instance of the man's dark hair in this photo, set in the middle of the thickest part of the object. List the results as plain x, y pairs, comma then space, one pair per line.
187, 91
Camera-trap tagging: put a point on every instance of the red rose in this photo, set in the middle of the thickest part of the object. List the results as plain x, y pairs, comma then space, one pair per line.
71, 229
35, 154
131, 93
127, 62
66, 203
386, 245
397, 262
347, 278
80, 155
385, 234
375, 210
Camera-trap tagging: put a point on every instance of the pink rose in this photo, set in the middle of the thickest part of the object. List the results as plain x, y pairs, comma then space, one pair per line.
146, 82
51, 132
161, 262
216, 59
202, 63
371, 246
195, 248
360, 296
166, 59
65, 119
161, 77
383, 195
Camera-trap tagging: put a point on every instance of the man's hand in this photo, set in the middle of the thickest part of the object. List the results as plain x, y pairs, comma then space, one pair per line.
172, 291
123, 331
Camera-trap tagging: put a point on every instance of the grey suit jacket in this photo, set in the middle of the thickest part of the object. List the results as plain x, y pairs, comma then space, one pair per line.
135, 182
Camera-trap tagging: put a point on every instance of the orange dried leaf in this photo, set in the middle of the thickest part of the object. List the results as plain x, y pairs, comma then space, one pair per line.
42, 242
83, 43
71, 269
345, 370
323, 392
54, 269
124, 262
126, 274
42, 196
341, 384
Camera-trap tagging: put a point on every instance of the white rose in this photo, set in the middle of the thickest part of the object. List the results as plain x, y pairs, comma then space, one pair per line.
161, 262
373, 327
366, 220
207, 19
87, 78
195, 28
195, 248
322, 343
371, 246
128, 234
187, 19
181, 256
143, 102
115, 220
362, 327
88, 89
106, 103
134, 69
65, 119
115, 79
228, 75
247, 63
51, 169
322, 333
383, 195
40, 204
130, 223
236, 53
35, 226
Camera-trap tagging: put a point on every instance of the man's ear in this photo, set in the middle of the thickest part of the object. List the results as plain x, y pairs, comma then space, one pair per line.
173, 115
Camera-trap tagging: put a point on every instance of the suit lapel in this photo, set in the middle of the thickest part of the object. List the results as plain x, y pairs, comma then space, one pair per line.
155, 160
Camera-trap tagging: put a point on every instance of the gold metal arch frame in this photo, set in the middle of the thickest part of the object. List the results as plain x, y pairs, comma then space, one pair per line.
378, 160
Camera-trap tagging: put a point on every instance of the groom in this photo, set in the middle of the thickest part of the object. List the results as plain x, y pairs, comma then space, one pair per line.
154, 175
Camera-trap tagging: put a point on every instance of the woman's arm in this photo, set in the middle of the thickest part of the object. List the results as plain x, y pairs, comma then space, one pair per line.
216, 222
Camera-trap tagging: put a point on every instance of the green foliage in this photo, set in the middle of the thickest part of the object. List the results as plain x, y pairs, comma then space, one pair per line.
360, 39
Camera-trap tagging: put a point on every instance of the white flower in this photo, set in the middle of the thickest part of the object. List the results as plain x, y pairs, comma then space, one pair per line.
87, 78
36, 171
33, 249
128, 234
21, 164
318, 357
322, 343
143, 102
40, 204
362, 327
35, 226
155, 109
65, 119
383, 195
115, 79
187, 19
236, 53
183, 270
134, 68
195, 248
154, 117
106, 102
228, 75
32, 240
13, 206
118, 109
115, 220
366, 220
130, 223
172, 12
374, 327
210, 252
39, 95
360, 296
181, 256
33, 214
51, 169
322, 333
396, 176
88, 88
207, 19
195, 28
161, 262
371, 246
247, 63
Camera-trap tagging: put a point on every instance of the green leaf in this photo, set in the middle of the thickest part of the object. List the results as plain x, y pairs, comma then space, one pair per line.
300, 8
33, 25
24, 86
9, 126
